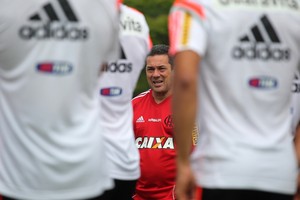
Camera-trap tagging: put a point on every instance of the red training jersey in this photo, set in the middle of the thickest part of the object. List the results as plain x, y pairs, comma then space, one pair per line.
153, 128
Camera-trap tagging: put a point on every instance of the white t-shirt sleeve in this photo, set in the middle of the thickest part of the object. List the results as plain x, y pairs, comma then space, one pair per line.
187, 28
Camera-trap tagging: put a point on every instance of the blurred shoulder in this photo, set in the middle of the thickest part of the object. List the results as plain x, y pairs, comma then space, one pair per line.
127, 10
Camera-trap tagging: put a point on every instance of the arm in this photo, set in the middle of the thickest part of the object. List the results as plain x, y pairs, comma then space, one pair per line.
184, 112
297, 146
297, 142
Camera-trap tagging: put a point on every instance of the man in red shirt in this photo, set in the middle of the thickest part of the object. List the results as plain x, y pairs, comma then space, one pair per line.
153, 128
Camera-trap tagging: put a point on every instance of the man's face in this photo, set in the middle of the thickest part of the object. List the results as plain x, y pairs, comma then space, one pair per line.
159, 73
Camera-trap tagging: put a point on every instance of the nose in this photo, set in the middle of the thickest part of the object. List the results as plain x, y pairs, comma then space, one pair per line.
156, 73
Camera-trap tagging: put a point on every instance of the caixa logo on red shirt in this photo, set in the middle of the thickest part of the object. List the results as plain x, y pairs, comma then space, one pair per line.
154, 142
56, 67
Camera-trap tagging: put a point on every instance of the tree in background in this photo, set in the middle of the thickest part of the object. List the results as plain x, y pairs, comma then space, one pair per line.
156, 13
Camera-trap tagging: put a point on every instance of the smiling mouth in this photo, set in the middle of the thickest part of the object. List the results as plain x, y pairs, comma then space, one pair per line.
157, 82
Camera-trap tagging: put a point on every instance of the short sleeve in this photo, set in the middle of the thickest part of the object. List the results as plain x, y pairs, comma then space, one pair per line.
187, 28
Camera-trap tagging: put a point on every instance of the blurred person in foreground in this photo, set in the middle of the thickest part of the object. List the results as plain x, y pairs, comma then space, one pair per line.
234, 67
295, 111
117, 85
51, 137
153, 128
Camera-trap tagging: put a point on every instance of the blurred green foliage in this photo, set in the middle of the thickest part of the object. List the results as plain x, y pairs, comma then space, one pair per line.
156, 13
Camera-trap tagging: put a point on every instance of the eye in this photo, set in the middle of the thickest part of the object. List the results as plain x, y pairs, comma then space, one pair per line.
162, 69
150, 69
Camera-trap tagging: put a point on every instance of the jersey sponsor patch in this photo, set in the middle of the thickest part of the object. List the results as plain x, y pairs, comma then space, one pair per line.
111, 91
129, 24
154, 120
195, 135
154, 142
58, 68
56, 20
263, 82
261, 43
186, 29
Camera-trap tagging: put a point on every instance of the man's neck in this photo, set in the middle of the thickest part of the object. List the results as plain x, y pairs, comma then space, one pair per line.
160, 96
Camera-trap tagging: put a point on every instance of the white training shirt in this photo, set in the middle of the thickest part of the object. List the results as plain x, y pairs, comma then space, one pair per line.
51, 143
249, 50
117, 86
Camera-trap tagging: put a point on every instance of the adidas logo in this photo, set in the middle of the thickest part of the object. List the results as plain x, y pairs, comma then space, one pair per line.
260, 42
296, 84
140, 119
59, 22
121, 66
